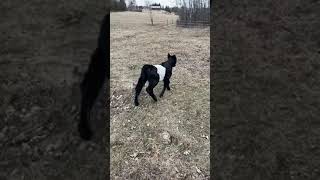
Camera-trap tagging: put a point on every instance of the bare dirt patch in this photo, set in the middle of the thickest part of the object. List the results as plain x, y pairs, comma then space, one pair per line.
169, 138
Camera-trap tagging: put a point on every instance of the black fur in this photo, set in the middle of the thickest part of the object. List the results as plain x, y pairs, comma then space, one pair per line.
94, 79
149, 73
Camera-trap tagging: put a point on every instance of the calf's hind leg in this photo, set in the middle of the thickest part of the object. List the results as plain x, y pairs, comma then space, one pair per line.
152, 84
139, 87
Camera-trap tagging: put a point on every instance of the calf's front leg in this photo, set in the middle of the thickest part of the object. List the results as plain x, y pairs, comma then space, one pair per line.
165, 86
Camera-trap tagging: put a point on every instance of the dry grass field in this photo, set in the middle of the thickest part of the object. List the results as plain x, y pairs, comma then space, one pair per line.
168, 139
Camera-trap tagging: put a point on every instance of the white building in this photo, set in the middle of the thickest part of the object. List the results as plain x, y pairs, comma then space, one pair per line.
155, 7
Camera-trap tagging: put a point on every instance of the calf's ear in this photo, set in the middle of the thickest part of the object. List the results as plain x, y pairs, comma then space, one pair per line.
168, 55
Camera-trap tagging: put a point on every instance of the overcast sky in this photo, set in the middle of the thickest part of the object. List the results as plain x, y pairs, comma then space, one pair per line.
170, 3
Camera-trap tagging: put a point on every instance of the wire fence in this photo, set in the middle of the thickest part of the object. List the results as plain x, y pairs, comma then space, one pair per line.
179, 23
172, 22
192, 23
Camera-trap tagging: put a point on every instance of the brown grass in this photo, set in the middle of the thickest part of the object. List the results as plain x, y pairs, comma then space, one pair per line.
137, 147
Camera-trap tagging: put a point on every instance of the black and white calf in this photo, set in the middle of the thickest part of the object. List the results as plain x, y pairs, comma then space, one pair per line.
153, 74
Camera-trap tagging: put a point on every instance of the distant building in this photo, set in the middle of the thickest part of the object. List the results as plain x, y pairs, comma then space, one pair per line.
156, 6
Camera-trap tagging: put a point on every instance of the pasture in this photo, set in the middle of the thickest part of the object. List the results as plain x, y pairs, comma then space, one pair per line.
168, 139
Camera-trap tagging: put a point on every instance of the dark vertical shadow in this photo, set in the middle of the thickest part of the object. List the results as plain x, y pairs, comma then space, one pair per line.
45, 54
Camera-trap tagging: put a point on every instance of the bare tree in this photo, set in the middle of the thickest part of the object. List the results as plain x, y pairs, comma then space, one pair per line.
193, 12
132, 5
147, 2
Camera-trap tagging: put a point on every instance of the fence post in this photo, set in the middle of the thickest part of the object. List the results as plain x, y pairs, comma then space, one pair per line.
167, 22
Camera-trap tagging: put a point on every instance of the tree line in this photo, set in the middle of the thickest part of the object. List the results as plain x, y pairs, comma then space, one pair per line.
189, 11
118, 5
121, 5
193, 11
